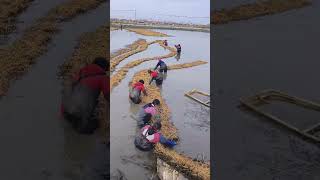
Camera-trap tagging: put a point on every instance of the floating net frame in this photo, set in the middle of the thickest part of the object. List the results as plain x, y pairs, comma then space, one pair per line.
195, 91
266, 96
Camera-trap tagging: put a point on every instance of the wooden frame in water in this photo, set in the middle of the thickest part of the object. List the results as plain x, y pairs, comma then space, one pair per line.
194, 91
265, 97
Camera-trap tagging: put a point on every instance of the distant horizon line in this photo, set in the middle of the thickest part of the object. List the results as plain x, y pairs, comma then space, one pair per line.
161, 21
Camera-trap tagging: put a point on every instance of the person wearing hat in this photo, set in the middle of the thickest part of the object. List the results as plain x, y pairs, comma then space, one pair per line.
149, 136
80, 100
135, 91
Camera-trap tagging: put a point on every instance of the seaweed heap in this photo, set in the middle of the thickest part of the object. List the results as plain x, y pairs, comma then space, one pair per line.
191, 168
136, 47
16, 58
113, 29
262, 8
128, 48
119, 75
91, 45
9, 10
147, 32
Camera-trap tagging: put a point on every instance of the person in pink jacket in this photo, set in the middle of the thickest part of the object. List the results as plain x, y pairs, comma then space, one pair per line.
147, 112
149, 136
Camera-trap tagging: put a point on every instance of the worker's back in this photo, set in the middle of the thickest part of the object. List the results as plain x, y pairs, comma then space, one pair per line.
80, 100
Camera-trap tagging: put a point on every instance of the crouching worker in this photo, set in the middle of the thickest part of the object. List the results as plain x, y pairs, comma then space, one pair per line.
149, 136
135, 91
146, 112
157, 77
80, 100
163, 66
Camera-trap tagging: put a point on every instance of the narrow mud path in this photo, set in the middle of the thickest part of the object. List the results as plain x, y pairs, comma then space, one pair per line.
138, 46
147, 32
9, 10
36, 142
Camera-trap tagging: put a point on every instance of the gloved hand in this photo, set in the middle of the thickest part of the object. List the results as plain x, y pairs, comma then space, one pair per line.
170, 143
157, 117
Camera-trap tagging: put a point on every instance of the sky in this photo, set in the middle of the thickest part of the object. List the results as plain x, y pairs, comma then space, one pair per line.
157, 9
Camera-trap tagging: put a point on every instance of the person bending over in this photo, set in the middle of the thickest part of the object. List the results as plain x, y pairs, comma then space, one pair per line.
157, 77
135, 91
80, 100
163, 66
149, 136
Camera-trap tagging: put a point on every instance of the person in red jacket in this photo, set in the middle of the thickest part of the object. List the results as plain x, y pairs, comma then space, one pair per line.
80, 100
156, 76
135, 91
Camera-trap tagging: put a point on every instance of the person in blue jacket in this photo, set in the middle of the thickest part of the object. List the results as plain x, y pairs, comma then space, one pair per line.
162, 65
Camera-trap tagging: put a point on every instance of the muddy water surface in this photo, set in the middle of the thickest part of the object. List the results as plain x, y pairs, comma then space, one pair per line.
36, 9
36, 144
123, 127
122, 38
278, 52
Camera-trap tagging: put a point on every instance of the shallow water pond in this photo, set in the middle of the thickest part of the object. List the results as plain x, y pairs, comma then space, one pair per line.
189, 117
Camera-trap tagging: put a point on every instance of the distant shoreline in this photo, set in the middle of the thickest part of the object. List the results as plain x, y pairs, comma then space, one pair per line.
116, 23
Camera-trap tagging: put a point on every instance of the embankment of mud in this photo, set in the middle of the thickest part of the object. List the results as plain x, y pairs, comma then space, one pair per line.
122, 72
146, 24
147, 32
128, 48
261, 8
9, 10
189, 167
165, 27
16, 58
91, 45
136, 47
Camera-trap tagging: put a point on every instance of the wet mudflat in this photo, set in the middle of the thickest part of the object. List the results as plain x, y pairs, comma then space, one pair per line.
37, 144
124, 127
152, 51
272, 52
36, 9
121, 38
231, 3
